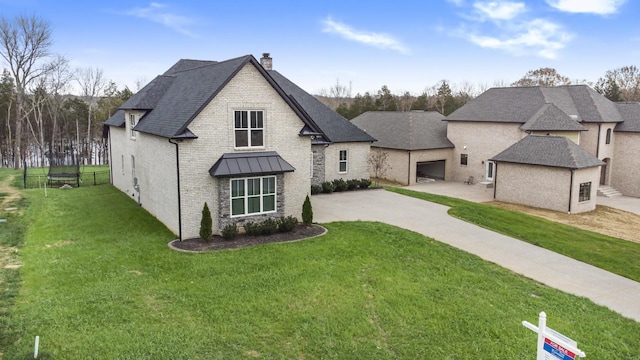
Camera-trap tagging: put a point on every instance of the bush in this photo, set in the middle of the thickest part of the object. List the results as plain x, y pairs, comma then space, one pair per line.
287, 224
230, 232
327, 187
316, 189
365, 183
339, 185
251, 228
353, 184
206, 224
268, 227
307, 211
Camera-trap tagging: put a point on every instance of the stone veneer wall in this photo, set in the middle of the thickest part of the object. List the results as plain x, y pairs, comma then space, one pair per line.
318, 164
224, 205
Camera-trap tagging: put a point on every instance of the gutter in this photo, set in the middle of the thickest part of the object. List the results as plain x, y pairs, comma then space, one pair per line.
179, 202
110, 156
571, 190
409, 168
495, 179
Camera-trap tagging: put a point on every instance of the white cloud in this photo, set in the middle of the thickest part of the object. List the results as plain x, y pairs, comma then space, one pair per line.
500, 10
599, 7
158, 13
539, 37
382, 41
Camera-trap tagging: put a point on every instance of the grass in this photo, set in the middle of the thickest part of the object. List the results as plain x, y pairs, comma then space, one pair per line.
618, 256
99, 282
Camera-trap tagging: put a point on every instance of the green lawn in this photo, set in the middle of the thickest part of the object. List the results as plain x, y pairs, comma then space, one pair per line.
99, 282
612, 254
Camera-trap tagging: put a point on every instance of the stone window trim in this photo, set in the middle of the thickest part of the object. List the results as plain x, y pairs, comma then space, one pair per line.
343, 161
585, 192
248, 129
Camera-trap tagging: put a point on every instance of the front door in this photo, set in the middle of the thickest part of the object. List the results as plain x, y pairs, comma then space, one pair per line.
490, 170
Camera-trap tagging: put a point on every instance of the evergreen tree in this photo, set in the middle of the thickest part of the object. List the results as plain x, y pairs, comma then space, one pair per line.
206, 224
307, 211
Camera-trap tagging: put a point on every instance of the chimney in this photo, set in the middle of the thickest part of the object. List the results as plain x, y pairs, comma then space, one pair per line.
266, 61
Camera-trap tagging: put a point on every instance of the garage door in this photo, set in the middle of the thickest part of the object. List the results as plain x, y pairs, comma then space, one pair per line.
430, 169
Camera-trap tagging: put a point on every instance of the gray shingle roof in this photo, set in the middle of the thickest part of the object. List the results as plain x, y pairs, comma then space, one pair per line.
413, 130
520, 104
630, 112
251, 163
335, 127
550, 118
554, 151
117, 119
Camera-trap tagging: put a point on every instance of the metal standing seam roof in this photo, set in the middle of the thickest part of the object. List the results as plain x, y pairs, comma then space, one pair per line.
250, 164
413, 130
520, 104
553, 151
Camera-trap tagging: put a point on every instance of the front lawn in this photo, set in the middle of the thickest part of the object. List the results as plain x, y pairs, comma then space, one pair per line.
618, 256
99, 282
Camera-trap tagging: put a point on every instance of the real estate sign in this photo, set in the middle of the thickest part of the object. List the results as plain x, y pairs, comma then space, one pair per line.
552, 345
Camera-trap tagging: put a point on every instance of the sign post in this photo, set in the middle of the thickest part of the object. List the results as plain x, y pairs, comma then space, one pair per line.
551, 344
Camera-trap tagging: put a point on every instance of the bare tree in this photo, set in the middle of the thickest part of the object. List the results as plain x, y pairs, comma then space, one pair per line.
542, 77
25, 41
92, 84
58, 82
379, 162
621, 84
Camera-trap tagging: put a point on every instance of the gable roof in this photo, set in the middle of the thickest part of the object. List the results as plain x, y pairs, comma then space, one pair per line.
335, 128
554, 151
630, 112
117, 119
520, 104
413, 130
550, 118
173, 99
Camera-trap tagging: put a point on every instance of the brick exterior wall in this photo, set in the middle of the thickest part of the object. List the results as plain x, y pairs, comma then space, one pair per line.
483, 140
625, 173
357, 165
545, 187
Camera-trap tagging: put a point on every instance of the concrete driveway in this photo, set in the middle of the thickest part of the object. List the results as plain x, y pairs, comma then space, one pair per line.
615, 292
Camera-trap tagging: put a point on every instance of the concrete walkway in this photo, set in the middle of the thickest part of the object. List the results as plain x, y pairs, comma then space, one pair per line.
615, 292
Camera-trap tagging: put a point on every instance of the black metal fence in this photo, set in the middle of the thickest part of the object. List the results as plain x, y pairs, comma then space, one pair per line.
87, 178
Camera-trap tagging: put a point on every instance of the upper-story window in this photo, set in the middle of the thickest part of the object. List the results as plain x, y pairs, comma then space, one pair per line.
608, 139
342, 162
132, 124
248, 128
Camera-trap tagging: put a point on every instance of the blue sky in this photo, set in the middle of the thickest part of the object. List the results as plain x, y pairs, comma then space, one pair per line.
406, 45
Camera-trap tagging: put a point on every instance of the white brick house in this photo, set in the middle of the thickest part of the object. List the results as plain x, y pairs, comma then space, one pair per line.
234, 134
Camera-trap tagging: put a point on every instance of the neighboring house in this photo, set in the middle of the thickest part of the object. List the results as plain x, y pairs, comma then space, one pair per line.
563, 175
415, 142
235, 134
608, 133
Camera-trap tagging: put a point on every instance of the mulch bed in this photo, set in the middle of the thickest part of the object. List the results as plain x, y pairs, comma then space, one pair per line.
218, 243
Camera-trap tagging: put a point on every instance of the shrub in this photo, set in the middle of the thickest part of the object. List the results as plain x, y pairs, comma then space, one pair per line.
206, 224
365, 183
268, 227
287, 224
230, 232
316, 189
353, 184
251, 228
339, 185
327, 187
307, 211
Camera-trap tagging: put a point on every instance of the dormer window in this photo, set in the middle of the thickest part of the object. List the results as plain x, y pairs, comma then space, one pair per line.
132, 124
248, 129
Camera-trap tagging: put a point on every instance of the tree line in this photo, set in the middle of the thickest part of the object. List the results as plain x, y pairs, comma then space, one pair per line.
618, 85
40, 120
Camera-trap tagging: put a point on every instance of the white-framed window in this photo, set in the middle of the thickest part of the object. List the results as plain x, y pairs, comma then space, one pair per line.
132, 124
490, 170
342, 161
248, 128
133, 170
251, 196
585, 192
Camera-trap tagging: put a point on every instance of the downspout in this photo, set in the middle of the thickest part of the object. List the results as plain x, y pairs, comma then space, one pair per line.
495, 179
409, 168
598, 143
110, 156
179, 202
571, 190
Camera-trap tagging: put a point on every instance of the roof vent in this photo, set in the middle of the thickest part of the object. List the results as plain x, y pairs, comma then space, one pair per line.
573, 116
